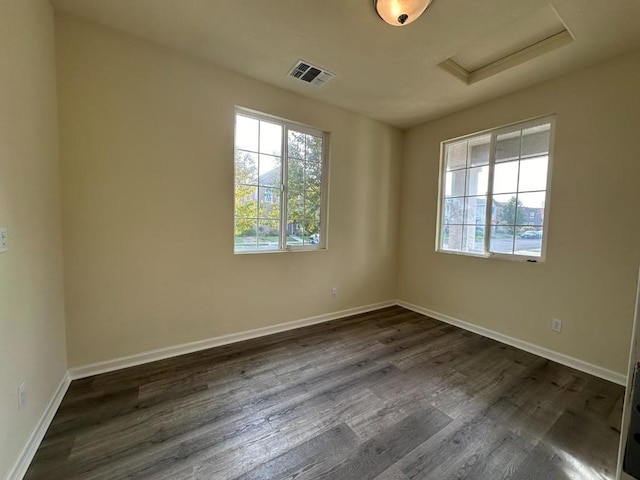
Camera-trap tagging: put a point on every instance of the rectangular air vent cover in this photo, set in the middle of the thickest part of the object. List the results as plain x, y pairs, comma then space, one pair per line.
308, 73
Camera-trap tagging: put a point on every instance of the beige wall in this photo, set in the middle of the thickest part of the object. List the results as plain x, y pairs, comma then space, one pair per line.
593, 250
32, 332
147, 173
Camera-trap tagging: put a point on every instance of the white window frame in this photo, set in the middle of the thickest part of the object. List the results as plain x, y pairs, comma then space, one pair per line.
288, 125
494, 132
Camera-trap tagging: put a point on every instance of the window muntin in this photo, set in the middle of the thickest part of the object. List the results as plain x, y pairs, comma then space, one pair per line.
280, 186
506, 168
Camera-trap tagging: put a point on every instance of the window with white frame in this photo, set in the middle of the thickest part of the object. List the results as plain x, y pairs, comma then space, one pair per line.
280, 184
495, 192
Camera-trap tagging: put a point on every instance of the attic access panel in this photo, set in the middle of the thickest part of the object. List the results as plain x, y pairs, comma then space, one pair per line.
525, 39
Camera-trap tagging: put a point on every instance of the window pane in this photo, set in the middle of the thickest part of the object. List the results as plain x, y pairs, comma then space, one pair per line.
454, 183
245, 235
314, 148
508, 146
531, 203
479, 150
312, 204
505, 177
310, 231
246, 167
296, 145
295, 174
268, 234
314, 238
473, 239
304, 205
504, 210
535, 140
475, 211
501, 240
477, 180
529, 242
303, 236
270, 138
533, 174
270, 170
456, 155
269, 203
452, 237
295, 232
246, 201
313, 175
247, 133
295, 205
312, 225
453, 209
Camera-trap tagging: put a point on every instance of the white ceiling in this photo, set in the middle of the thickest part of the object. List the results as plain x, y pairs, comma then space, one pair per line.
387, 73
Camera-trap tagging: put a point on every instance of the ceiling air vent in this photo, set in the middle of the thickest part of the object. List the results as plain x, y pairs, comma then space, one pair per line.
308, 73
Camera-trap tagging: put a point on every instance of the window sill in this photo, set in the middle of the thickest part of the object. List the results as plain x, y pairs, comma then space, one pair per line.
285, 250
496, 256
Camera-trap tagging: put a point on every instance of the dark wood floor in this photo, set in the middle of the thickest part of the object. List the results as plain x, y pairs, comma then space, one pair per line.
388, 395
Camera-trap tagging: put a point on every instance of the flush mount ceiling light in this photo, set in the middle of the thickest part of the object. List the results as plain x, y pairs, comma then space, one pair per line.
400, 12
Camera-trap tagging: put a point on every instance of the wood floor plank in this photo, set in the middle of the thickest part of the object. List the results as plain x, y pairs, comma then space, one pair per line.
378, 454
546, 463
456, 454
392, 473
307, 458
584, 443
385, 395
499, 462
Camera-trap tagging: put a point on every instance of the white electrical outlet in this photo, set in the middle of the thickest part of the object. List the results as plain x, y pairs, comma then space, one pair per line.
22, 395
4, 240
334, 292
556, 325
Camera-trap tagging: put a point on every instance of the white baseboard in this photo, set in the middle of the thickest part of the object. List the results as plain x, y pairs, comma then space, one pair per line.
26, 455
174, 351
581, 365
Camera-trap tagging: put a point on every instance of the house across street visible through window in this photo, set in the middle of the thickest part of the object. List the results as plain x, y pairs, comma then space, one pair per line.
507, 169
280, 184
